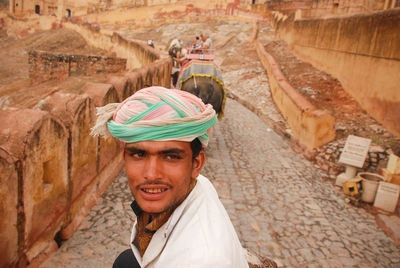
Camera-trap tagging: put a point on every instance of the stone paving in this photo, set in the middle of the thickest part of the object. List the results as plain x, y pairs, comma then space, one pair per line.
282, 206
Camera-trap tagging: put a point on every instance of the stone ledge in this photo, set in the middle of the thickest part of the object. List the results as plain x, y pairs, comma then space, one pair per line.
311, 127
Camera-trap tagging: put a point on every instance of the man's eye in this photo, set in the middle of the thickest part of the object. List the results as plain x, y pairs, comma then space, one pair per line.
138, 154
172, 157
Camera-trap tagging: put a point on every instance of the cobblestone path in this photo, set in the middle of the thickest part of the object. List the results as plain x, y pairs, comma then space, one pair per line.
280, 203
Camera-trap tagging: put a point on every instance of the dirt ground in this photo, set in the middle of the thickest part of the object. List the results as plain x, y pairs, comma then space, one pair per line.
326, 92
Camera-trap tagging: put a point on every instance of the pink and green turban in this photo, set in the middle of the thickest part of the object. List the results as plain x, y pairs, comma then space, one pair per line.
158, 114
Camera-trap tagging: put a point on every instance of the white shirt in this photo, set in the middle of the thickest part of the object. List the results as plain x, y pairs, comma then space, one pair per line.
198, 234
208, 43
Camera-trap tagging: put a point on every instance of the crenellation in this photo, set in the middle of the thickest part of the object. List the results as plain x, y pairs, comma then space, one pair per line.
39, 143
122, 85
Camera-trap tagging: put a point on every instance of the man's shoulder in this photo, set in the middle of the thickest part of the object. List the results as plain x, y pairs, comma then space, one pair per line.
206, 216
204, 181
204, 233
205, 189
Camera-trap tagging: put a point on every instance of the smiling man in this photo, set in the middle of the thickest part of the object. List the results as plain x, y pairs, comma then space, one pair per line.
180, 219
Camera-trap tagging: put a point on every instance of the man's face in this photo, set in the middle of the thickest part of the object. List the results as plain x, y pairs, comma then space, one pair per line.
160, 172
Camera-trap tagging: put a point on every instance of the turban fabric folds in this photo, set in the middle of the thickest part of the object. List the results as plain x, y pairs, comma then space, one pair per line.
159, 114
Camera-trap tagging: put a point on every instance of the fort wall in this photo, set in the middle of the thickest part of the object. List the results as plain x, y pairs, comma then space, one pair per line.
325, 8
362, 51
44, 66
137, 52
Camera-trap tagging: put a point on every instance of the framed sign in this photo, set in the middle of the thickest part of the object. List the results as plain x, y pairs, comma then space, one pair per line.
355, 151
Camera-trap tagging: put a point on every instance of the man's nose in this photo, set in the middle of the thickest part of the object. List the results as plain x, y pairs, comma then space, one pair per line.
152, 168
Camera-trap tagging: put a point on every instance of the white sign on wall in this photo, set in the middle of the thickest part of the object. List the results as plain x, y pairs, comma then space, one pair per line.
355, 151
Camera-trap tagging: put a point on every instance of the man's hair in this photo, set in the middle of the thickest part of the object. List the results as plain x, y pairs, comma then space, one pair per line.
196, 147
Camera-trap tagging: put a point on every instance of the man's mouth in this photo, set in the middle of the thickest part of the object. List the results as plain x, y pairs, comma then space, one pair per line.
153, 190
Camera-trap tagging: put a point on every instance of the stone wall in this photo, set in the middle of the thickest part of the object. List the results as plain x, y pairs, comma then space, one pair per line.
322, 8
44, 66
180, 11
288, 7
8, 199
52, 172
326, 8
362, 51
137, 52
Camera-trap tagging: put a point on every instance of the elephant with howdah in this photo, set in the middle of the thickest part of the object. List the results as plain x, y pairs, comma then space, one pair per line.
208, 90
204, 79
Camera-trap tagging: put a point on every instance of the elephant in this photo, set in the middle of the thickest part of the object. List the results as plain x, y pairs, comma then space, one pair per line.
208, 90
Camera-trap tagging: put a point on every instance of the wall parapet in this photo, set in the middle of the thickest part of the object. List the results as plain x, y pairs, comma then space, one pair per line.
137, 52
310, 126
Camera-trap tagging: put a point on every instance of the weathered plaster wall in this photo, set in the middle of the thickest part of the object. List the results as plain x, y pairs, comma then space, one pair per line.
38, 142
179, 11
362, 51
44, 66
326, 8
322, 8
27, 25
310, 126
137, 52
8, 199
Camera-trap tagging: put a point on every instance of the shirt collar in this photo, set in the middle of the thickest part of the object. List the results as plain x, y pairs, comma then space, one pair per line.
136, 209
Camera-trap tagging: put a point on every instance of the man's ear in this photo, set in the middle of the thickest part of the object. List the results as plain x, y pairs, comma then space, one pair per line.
122, 146
198, 164
124, 155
